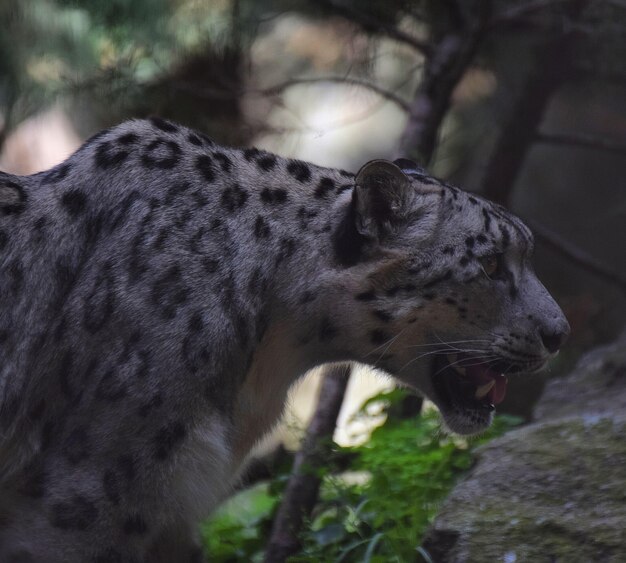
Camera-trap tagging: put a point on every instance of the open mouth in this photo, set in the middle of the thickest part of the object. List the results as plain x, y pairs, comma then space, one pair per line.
466, 383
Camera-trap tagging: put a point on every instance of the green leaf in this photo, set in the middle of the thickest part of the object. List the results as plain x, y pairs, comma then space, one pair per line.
371, 547
329, 534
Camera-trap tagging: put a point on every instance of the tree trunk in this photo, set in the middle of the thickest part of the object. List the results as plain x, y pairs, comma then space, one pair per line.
450, 58
447, 64
301, 493
552, 66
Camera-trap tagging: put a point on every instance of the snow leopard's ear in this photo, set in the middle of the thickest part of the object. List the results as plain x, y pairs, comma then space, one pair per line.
425, 184
382, 198
410, 167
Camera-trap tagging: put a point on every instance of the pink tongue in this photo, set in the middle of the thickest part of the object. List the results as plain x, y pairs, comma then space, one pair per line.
498, 391
479, 375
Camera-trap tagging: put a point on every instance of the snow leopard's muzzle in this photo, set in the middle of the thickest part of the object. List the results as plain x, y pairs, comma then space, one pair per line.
468, 380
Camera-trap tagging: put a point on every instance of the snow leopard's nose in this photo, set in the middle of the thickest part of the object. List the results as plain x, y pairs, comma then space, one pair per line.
551, 328
554, 337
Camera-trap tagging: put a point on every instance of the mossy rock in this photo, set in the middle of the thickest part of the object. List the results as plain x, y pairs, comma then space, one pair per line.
597, 385
553, 491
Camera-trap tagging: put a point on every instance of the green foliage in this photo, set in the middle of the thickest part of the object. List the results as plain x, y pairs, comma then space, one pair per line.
103, 52
378, 510
239, 530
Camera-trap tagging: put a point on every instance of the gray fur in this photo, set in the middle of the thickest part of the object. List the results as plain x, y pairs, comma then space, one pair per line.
159, 294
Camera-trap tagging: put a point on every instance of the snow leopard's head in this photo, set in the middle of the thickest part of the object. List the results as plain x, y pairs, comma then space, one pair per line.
442, 292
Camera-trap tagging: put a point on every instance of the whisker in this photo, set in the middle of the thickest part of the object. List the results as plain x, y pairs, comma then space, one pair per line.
386, 344
508, 368
488, 331
389, 343
446, 343
468, 351
517, 355
459, 341
440, 351
479, 342
486, 359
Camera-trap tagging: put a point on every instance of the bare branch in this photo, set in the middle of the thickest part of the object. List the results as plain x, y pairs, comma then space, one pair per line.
577, 255
388, 95
553, 65
582, 141
617, 3
519, 12
207, 92
519, 132
611, 77
453, 54
301, 493
228, 93
449, 60
373, 24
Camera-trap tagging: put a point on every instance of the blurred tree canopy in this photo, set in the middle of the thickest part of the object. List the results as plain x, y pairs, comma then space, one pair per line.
474, 89
249, 71
194, 61
119, 58
223, 65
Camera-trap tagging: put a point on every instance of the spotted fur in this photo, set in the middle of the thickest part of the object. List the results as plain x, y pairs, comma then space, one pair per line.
159, 295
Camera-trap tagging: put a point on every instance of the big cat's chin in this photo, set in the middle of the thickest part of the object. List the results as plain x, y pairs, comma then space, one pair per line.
467, 423
466, 395
465, 392
465, 388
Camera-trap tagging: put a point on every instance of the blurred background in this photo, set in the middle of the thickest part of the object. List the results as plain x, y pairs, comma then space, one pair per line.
522, 101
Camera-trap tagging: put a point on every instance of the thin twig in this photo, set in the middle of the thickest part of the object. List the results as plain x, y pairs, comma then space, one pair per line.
516, 13
225, 93
577, 255
388, 95
447, 64
582, 141
370, 23
617, 3
208, 93
586, 75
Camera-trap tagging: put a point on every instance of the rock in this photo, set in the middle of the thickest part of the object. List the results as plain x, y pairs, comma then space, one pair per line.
553, 491
597, 385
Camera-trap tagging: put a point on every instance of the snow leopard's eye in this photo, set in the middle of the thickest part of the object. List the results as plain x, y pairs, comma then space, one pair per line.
491, 265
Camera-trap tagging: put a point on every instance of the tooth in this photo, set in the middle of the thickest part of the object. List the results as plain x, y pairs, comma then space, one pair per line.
484, 389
